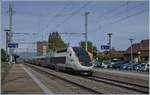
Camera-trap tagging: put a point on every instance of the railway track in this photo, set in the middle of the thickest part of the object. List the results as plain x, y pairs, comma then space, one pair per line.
102, 85
138, 79
81, 86
126, 85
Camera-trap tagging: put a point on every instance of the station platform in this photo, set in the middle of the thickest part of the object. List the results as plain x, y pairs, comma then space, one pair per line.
18, 81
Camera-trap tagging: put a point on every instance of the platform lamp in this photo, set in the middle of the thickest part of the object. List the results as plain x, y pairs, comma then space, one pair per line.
131, 41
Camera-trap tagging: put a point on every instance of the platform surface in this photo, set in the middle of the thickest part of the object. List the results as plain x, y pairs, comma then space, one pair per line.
18, 81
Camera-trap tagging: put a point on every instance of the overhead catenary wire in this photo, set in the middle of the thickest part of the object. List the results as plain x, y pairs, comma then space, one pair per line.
73, 14
68, 18
57, 15
112, 10
41, 6
121, 18
25, 33
124, 16
123, 11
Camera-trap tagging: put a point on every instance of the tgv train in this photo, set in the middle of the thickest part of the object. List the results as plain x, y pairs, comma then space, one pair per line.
70, 59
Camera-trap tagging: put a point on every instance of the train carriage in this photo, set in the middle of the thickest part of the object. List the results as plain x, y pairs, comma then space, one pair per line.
72, 58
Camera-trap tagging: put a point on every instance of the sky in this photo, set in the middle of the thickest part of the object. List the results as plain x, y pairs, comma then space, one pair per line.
124, 19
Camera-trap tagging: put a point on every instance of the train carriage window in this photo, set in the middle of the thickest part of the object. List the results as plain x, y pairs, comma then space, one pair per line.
61, 60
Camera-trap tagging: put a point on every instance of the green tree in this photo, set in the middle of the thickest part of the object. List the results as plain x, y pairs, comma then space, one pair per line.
103, 56
91, 47
55, 42
4, 55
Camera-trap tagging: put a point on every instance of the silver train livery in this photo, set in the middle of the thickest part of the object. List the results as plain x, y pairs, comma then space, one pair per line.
74, 59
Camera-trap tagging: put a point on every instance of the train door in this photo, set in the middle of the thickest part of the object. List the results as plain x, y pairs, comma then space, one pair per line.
70, 60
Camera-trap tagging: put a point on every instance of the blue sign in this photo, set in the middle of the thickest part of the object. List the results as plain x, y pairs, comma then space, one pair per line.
104, 47
13, 45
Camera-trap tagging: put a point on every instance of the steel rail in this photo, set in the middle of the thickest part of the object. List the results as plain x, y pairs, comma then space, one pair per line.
122, 84
67, 80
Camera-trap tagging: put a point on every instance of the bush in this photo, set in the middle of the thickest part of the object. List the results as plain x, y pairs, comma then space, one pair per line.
4, 55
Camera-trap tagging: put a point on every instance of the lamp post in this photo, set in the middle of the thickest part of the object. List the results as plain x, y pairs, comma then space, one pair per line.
139, 55
109, 35
131, 41
9, 32
86, 36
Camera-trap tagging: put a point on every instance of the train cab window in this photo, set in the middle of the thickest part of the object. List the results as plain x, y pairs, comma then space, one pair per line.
83, 56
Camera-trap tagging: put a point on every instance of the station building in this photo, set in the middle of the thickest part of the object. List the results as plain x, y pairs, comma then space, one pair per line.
140, 51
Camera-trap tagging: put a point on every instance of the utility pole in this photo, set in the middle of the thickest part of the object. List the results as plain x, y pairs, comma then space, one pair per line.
7, 40
131, 41
10, 29
109, 35
10, 17
86, 36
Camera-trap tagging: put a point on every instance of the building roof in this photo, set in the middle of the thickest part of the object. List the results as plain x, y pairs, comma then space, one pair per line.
116, 52
145, 44
135, 49
138, 47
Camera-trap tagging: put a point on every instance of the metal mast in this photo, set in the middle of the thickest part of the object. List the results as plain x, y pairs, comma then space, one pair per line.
109, 35
86, 37
10, 29
131, 40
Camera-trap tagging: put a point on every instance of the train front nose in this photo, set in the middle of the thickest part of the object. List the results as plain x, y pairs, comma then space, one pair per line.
87, 68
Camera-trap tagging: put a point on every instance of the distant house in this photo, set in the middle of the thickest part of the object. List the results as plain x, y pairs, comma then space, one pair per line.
41, 48
144, 52
140, 52
116, 53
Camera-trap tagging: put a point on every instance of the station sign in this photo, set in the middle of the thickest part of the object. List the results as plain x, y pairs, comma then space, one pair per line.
104, 47
13, 45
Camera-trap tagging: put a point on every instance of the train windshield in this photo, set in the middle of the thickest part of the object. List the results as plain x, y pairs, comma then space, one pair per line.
83, 56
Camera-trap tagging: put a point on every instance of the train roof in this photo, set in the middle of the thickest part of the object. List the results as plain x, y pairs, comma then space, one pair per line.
65, 49
39, 57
